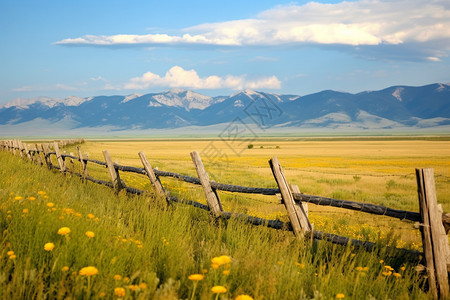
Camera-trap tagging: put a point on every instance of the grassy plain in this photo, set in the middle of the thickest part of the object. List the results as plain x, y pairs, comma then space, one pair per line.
372, 170
149, 250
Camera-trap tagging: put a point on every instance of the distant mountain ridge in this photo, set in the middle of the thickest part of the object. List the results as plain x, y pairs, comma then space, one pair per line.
397, 106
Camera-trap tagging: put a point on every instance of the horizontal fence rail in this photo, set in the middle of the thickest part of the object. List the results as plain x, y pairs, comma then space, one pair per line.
318, 200
289, 194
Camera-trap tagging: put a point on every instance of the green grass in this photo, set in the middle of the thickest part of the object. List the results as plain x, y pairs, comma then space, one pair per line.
147, 242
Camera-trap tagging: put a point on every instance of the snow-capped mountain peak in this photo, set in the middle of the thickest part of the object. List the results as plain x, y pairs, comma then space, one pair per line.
247, 92
25, 103
183, 98
397, 93
130, 97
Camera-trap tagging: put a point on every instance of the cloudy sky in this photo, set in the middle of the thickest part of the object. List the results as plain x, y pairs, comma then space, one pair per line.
89, 48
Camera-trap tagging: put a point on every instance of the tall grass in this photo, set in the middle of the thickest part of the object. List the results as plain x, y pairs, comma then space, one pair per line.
149, 248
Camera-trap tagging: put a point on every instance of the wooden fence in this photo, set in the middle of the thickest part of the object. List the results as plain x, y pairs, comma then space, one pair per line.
436, 255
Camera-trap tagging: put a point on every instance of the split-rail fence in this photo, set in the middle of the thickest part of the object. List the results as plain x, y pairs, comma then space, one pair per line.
431, 221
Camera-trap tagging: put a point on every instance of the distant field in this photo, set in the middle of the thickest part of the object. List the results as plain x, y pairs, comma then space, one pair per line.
372, 170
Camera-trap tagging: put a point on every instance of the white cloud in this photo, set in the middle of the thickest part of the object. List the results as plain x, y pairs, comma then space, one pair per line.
177, 77
55, 87
98, 78
364, 22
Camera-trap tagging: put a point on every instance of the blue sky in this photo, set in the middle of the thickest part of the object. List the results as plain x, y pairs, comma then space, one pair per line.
89, 48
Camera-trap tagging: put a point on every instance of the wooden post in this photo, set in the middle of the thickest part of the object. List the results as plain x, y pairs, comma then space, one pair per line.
152, 176
38, 154
62, 166
211, 195
27, 151
15, 147
113, 172
83, 164
295, 189
297, 216
46, 150
434, 239
20, 147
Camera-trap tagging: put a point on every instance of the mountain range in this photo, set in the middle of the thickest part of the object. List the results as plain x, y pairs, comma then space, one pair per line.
391, 108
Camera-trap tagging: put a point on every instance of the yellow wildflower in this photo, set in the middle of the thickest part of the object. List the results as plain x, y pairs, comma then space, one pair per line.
42, 193
133, 287
126, 279
195, 277
50, 204
90, 234
65, 269
31, 198
25, 210
49, 246
18, 198
119, 292
403, 268
243, 297
340, 296
386, 273
117, 277
359, 268
143, 285
218, 289
226, 272
397, 275
68, 210
90, 216
88, 271
301, 266
221, 260
64, 230
10, 252
101, 294
12, 256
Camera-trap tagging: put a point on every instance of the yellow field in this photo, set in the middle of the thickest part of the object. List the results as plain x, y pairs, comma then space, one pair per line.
373, 171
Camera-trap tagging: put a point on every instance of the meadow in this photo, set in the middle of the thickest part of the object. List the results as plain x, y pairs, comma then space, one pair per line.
140, 247
372, 170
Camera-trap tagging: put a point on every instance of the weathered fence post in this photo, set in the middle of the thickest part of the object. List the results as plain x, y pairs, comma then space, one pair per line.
117, 183
62, 166
20, 147
295, 189
83, 164
27, 151
211, 195
46, 151
152, 176
434, 238
297, 216
14, 146
38, 154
